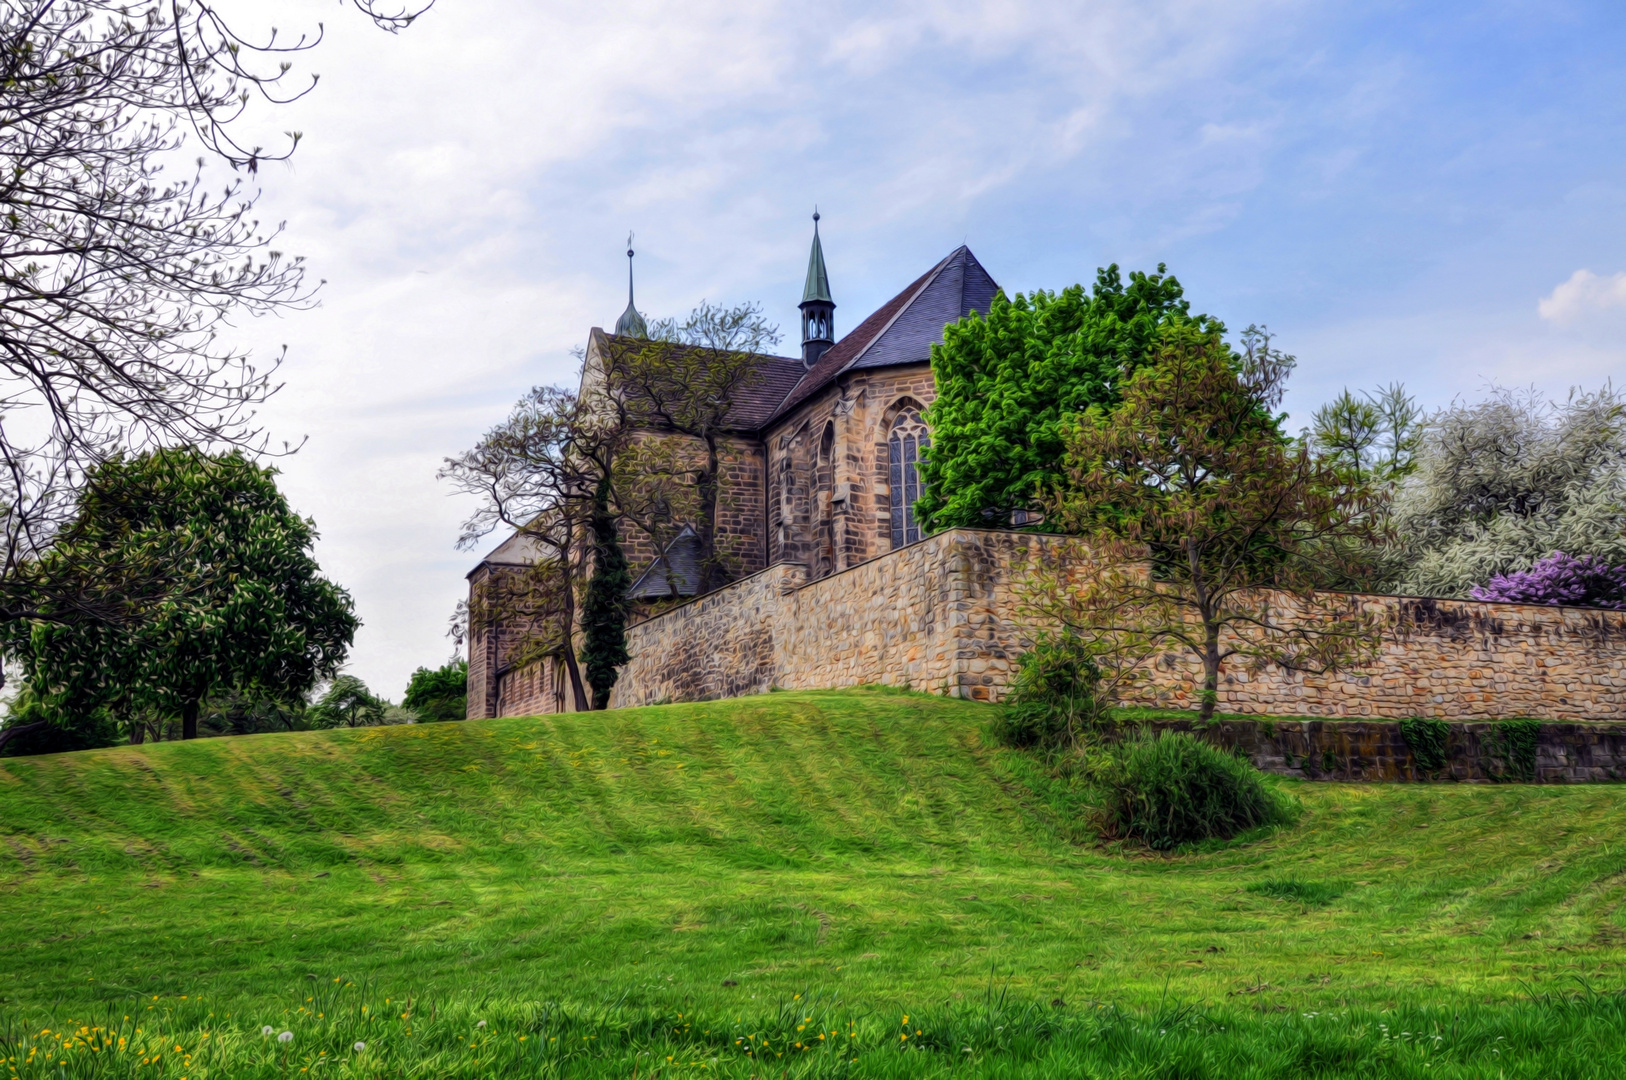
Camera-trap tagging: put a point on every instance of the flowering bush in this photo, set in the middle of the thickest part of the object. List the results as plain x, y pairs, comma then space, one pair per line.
1589, 581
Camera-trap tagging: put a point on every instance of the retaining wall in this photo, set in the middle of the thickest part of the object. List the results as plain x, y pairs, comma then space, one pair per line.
1375, 750
941, 615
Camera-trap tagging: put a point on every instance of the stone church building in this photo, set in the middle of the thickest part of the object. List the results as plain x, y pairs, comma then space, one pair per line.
820, 466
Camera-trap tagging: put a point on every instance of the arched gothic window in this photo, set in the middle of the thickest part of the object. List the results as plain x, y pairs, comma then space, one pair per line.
905, 448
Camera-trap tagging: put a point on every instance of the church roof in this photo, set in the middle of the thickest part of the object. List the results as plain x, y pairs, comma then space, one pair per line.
758, 400
906, 327
675, 571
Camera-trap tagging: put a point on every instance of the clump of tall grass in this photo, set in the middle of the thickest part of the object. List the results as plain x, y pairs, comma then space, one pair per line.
1168, 789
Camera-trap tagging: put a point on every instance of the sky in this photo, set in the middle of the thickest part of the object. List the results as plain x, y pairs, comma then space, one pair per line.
1433, 193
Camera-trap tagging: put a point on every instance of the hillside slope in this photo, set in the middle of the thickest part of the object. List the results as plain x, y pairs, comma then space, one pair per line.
865, 842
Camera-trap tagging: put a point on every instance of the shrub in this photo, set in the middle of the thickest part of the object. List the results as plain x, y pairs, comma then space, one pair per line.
1172, 789
1055, 697
1588, 581
1515, 742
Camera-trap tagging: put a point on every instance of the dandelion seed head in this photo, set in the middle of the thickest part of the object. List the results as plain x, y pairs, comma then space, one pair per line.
286, 1037
266, 1030
359, 1047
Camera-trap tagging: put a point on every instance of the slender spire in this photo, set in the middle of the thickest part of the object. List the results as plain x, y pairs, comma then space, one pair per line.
818, 307
818, 280
631, 324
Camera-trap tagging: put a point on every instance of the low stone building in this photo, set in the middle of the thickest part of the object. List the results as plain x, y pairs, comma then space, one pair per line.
819, 463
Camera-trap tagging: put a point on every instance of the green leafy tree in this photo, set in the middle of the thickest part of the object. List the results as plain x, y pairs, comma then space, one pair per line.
604, 611
1199, 526
439, 693
1009, 385
1370, 438
249, 609
348, 703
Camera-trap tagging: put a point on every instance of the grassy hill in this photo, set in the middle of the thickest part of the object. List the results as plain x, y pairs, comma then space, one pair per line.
867, 851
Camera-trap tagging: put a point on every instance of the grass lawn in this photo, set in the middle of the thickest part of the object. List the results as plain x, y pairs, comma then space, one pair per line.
682, 882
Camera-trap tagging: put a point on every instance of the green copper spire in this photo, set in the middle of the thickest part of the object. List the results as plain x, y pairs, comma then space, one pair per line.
631, 324
818, 280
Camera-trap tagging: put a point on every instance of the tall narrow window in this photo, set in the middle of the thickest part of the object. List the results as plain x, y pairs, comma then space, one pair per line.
905, 449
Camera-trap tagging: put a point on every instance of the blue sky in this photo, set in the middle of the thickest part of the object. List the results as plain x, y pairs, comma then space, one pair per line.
1433, 193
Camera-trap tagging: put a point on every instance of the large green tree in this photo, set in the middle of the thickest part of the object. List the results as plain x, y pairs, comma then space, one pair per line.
1199, 528
1010, 383
247, 608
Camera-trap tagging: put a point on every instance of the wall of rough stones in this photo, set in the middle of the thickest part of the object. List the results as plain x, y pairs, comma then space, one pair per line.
1377, 750
941, 616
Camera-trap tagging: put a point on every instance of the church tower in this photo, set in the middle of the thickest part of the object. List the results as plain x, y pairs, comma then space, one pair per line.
818, 309
631, 324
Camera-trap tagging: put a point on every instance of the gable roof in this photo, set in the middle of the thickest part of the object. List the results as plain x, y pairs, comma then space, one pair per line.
756, 401
675, 571
904, 329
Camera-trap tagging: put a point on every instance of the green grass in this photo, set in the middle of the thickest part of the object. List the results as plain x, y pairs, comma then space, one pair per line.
664, 881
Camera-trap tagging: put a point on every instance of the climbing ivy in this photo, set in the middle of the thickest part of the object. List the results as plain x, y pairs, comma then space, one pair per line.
1515, 743
1426, 737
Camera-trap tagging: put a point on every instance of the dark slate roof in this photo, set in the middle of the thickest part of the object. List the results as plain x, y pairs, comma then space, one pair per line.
758, 399
906, 327
675, 572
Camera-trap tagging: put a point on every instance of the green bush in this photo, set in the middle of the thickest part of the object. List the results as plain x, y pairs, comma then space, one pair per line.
1172, 789
1055, 697
441, 694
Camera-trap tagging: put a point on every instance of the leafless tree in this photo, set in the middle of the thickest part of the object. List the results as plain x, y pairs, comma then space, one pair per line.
688, 380
118, 277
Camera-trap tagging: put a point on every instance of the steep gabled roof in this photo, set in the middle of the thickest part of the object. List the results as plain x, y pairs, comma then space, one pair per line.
675, 571
906, 327
757, 400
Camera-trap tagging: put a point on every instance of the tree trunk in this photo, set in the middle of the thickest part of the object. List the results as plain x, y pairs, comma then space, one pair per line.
189, 719
1211, 666
7, 734
138, 733
576, 689
706, 488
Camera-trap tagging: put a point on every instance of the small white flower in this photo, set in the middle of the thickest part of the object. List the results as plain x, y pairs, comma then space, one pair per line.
285, 1037
360, 1047
266, 1030
481, 1024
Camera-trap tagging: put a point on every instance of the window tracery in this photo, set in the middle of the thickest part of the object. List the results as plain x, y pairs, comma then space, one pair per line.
906, 446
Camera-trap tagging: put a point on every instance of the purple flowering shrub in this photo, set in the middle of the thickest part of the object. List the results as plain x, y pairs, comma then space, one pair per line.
1560, 579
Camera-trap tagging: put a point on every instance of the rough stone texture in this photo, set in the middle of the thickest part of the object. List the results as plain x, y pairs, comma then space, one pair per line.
940, 615
1377, 750
829, 503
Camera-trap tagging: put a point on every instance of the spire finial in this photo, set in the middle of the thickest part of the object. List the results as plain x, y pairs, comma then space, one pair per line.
631, 324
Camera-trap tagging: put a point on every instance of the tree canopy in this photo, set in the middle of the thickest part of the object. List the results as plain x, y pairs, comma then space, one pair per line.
441, 693
1199, 526
1503, 483
247, 609
1010, 383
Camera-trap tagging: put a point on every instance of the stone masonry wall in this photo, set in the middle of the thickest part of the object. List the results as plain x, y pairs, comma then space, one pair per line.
940, 615
1377, 750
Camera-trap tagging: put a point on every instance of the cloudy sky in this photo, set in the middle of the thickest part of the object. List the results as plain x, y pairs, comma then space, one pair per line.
1431, 192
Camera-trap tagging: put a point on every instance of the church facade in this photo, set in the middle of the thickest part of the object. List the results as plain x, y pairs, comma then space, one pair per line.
820, 463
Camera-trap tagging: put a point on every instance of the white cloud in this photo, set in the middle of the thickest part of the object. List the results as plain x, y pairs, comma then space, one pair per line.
1584, 294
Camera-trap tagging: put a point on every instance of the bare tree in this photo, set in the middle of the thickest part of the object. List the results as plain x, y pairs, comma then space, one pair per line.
536, 473
118, 280
689, 380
